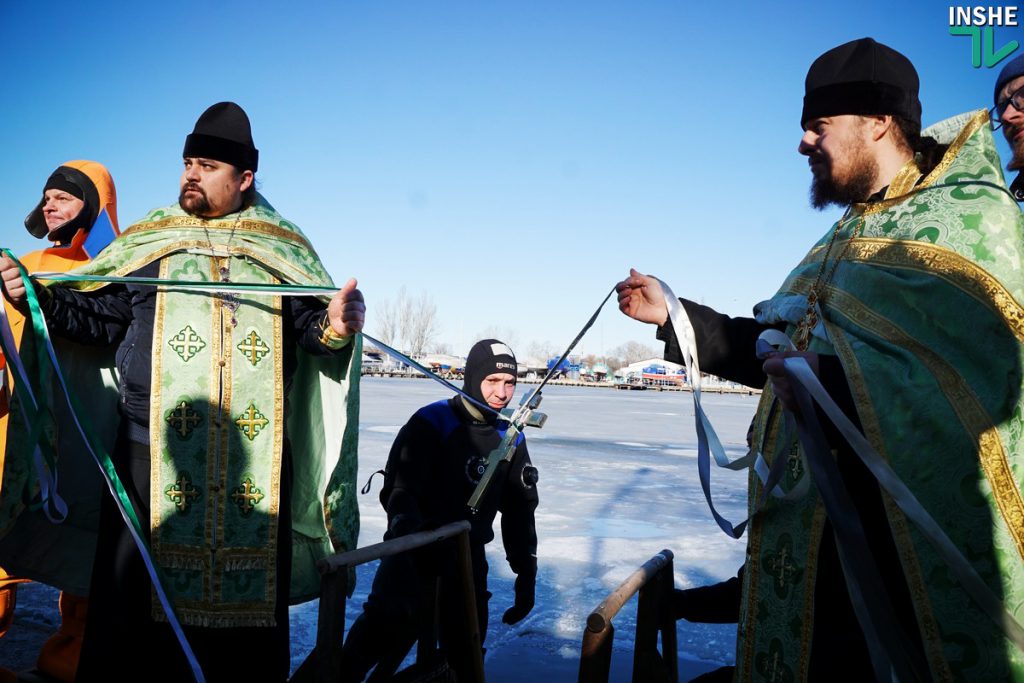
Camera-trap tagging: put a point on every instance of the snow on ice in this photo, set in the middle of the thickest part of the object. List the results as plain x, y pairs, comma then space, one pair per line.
618, 483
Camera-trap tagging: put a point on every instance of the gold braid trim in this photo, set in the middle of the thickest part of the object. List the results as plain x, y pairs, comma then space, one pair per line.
273, 540
979, 119
992, 454
904, 181
156, 431
946, 264
214, 225
328, 336
926, 621
810, 581
746, 641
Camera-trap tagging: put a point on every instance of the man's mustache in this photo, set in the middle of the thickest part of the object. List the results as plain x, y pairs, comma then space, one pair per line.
194, 188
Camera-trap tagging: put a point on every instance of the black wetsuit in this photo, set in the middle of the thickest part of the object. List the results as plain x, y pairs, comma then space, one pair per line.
438, 458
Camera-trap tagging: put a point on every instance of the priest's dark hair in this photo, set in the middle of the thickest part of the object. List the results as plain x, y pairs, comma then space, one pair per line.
927, 151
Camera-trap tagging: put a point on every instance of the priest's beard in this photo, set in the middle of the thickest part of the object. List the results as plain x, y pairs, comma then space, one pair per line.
845, 188
194, 205
1017, 160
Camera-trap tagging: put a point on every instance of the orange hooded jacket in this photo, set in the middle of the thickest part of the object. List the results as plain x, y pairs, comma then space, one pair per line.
100, 200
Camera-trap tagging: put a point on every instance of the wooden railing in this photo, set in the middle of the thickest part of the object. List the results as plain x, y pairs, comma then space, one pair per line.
654, 582
324, 664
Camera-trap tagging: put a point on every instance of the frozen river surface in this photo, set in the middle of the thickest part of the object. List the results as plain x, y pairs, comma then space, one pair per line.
618, 483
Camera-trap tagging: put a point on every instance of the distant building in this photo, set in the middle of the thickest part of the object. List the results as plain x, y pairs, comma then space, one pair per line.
655, 371
445, 365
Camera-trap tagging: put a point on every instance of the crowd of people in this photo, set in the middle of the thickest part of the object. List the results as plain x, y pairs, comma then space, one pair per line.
230, 417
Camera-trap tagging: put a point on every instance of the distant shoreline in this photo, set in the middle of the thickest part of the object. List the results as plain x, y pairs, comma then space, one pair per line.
713, 388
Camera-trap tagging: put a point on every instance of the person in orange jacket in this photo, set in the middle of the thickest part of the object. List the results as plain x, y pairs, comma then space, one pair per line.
78, 215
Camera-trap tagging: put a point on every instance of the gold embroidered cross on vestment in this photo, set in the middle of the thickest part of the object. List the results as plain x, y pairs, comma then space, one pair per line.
251, 421
182, 493
247, 496
183, 420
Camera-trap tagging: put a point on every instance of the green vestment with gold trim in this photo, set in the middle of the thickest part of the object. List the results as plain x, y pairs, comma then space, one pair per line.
217, 424
925, 311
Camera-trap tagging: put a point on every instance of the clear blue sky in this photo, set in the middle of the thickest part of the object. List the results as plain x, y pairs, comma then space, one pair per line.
512, 159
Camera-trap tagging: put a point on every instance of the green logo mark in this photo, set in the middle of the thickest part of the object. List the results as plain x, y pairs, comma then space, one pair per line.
983, 45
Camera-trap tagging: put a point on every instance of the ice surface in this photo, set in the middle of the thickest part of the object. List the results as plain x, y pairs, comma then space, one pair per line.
618, 483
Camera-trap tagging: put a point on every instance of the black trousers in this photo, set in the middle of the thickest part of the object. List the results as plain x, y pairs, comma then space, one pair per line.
123, 643
387, 629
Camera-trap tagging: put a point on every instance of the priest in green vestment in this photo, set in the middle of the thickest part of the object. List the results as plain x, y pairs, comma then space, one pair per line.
239, 418
910, 309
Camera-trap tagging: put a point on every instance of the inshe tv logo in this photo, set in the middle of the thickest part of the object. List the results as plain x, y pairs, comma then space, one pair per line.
979, 23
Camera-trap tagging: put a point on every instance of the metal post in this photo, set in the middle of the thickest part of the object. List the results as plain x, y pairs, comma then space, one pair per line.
330, 636
667, 620
426, 639
595, 656
324, 664
473, 655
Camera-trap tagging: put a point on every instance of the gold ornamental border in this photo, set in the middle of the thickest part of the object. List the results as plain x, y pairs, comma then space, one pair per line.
238, 227
946, 264
928, 625
992, 455
979, 119
274, 514
927, 258
293, 273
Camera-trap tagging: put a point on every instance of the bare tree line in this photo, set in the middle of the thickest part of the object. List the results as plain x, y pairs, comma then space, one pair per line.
406, 322
409, 323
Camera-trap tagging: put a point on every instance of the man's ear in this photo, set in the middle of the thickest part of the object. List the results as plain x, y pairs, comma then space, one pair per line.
880, 125
247, 180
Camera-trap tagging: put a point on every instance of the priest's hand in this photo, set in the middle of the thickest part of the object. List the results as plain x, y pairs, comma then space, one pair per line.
347, 310
13, 285
777, 376
640, 298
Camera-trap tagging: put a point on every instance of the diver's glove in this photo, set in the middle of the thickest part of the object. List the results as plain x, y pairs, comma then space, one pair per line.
526, 586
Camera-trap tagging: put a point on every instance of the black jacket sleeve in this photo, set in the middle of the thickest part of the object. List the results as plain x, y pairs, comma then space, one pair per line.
518, 502
97, 318
309, 315
726, 346
715, 604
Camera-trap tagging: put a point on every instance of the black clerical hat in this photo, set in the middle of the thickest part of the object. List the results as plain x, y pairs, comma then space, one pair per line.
222, 133
861, 77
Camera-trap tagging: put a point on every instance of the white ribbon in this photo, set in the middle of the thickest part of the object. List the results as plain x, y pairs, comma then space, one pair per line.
804, 380
708, 443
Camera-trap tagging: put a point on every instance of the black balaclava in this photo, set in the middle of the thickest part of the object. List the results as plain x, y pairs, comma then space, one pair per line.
222, 133
487, 357
76, 183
